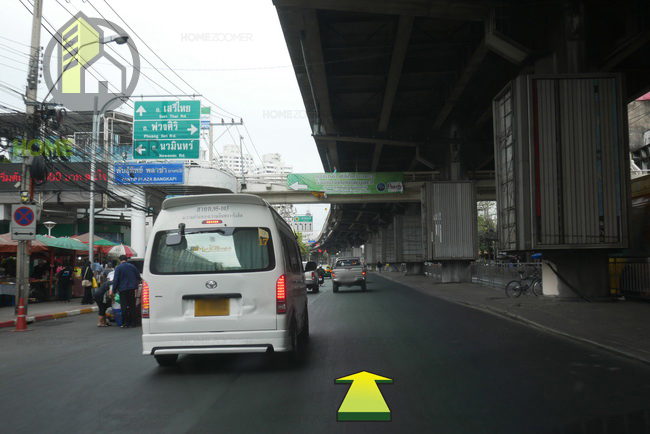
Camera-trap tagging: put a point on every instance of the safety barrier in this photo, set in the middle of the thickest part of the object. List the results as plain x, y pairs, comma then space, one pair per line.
500, 274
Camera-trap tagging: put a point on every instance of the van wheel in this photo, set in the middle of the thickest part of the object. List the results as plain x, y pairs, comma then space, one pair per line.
314, 289
363, 286
296, 343
335, 287
304, 334
166, 359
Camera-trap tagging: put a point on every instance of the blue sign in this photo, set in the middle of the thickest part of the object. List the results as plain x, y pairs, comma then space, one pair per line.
149, 174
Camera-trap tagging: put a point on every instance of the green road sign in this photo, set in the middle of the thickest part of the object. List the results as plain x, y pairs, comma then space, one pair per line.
348, 182
303, 218
165, 149
166, 130
166, 110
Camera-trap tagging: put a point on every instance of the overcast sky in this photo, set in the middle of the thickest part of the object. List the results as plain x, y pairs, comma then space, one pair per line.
232, 52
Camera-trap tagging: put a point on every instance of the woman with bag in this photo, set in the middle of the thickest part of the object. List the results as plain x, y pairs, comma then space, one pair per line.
87, 282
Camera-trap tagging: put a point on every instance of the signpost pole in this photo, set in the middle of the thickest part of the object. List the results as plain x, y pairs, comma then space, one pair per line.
91, 206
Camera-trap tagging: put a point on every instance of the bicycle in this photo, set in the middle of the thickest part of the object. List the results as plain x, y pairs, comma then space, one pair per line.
515, 288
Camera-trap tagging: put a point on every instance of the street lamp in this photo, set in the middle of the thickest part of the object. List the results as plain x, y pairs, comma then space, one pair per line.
49, 225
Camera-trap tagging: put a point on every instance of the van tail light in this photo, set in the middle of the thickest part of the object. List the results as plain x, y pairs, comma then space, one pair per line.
145, 299
363, 273
281, 294
313, 276
333, 275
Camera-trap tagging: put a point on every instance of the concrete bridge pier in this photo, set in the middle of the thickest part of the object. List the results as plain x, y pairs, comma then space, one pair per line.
414, 268
456, 272
578, 272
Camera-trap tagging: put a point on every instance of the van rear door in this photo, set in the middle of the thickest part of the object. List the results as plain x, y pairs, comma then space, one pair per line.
216, 279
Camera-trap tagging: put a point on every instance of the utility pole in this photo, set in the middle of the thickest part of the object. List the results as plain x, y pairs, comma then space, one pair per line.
33, 125
210, 134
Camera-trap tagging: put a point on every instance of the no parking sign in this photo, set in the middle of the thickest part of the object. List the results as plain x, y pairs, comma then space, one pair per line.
23, 222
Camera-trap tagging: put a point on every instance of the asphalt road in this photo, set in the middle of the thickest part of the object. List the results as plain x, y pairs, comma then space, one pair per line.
455, 370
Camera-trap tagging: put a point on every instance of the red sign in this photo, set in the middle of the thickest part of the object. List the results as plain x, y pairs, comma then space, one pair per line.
63, 176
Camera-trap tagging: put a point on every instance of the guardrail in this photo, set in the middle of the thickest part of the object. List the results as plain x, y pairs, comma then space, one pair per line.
500, 274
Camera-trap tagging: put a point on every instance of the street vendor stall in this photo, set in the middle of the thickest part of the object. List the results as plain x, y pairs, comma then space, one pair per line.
38, 285
65, 249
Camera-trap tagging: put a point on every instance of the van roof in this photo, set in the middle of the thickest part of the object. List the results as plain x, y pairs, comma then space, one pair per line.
202, 199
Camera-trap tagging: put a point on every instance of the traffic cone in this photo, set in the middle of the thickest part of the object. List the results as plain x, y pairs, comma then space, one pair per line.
21, 319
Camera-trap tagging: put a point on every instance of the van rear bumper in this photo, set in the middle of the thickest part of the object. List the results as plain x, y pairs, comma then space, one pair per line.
216, 343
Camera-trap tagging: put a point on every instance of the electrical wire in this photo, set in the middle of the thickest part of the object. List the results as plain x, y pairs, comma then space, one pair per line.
165, 63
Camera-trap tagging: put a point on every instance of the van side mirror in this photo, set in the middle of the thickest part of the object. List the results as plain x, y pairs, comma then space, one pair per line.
176, 239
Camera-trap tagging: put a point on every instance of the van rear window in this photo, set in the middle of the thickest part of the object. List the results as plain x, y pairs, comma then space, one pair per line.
218, 250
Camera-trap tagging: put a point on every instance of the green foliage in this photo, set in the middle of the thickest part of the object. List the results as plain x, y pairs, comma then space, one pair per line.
304, 250
487, 225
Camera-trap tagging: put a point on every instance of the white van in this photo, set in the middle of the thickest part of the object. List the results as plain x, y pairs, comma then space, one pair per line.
222, 274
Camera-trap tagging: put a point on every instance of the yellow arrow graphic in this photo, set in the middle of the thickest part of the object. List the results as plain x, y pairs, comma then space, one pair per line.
364, 401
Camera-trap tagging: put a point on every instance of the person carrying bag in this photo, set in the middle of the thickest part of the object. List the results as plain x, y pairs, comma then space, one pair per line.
87, 282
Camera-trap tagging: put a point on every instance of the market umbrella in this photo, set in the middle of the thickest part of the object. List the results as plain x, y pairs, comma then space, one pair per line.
62, 243
120, 250
7, 245
99, 241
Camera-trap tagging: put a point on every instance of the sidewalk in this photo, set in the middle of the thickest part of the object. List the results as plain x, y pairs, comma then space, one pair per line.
622, 327
38, 312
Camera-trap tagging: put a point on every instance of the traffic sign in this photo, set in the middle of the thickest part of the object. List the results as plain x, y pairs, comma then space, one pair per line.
166, 130
23, 222
303, 218
166, 110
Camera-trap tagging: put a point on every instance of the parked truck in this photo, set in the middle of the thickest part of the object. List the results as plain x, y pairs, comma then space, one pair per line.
348, 272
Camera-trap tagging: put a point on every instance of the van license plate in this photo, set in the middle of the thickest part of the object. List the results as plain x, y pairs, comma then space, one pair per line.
212, 307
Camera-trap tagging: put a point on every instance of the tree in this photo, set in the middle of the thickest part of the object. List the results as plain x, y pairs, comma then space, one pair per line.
304, 249
487, 225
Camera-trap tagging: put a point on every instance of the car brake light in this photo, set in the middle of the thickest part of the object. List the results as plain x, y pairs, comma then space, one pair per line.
333, 274
363, 273
145, 299
281, 294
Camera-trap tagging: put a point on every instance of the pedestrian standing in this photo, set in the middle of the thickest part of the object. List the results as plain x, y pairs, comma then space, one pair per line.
379, 265
125, 282
64, 282
87, 283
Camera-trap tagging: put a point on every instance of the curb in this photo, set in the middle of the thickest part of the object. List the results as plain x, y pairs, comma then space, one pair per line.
50, 316
530, 323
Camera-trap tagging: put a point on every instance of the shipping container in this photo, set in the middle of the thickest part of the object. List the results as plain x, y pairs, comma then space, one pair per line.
449, 226
408, 236
561, 163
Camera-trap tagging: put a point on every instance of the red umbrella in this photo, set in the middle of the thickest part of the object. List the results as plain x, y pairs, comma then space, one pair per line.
122, 249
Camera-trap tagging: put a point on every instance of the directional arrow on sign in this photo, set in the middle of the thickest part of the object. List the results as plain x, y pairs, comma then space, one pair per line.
298, 186
364, 401
140, 149
141, 110
192, 129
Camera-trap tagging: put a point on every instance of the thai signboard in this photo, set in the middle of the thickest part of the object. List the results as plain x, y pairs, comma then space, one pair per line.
149, 174
63, 177
348, 182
